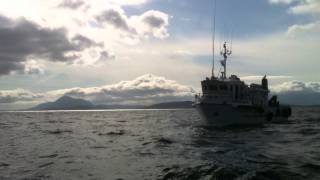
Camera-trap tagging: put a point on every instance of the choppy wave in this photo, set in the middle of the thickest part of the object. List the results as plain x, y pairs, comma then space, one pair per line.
170, 144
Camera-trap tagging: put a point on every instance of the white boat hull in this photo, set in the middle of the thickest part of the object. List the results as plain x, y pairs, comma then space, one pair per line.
228, 115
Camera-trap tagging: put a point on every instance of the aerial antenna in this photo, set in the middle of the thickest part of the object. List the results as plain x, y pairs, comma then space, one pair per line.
231, 43
213, 35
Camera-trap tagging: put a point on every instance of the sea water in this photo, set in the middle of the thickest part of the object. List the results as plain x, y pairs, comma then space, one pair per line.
155, 144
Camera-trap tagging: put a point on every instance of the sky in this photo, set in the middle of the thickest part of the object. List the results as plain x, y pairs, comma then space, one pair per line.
149, 51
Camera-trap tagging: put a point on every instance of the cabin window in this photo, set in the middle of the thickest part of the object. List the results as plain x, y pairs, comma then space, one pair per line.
223, 87
213, 88
236, 92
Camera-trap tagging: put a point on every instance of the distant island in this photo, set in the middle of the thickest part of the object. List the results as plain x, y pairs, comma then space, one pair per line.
65, 103
69, 103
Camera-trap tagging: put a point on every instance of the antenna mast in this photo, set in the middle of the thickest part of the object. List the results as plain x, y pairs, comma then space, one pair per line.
225, 53
213, 35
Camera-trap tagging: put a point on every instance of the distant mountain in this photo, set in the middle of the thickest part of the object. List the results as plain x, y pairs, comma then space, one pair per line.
117, 106
65, 103
69, 103
172, 105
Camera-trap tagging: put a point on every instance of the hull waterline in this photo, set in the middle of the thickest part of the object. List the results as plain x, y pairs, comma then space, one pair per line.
227, 115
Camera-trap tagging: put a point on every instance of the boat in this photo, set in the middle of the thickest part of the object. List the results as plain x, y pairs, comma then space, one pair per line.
229, 101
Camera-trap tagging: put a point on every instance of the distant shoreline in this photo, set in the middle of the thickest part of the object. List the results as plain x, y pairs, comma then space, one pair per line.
95, 110
124, 109
66, 103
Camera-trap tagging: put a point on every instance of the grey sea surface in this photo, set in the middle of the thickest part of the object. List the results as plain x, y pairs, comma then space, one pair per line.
155, 144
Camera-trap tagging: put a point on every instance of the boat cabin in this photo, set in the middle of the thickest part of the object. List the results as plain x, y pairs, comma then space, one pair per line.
233, 90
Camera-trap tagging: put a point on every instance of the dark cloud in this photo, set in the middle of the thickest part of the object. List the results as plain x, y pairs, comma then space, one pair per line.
105, 55
154, 21
83, 42
6, 66
71, 4
22, 39
151, 23
299, 93
157, 23
113, 17
300, 98
33, 71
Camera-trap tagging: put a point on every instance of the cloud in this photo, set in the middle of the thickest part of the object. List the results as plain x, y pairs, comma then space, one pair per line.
72, 4
154, 23
118, 2
22, 40
282, 1
12, 96
149, 89
298, 93
300, 6
149, 24
115, 18
306, 7
253, 78
83, 42
32, 67
154, 19
105, 55
146, 89
297, 86
70, 30
310, 29
183, 53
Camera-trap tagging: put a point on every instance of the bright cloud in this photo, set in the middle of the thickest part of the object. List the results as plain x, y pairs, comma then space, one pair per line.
146, 89
297, 86
281, 1
301, 6
307, 7
310, 29
12, 96
298, 92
